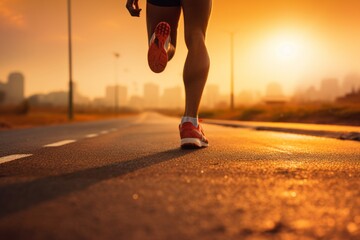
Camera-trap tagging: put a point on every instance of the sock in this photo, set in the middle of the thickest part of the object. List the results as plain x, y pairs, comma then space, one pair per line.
193, 120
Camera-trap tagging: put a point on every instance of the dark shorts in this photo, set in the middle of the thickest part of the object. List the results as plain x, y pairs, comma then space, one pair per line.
165, 3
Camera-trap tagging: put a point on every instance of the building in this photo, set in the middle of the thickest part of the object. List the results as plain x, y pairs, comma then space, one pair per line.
2, 92
172, 98
116, 95
99, 102
246, 97
274, 94
52, 99
79, 99
136, 102
211, 96
57, 98
151, 95
329, 89
350, 83
311, 94
352, 97
12, 92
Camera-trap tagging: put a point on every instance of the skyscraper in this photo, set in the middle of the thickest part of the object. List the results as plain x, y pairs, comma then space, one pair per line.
110, 96
151, 95
15, 88
172, 98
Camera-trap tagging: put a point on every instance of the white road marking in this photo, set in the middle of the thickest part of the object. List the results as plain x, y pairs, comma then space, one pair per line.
104, 132
113, 129
61, 143
13, 157
92, 135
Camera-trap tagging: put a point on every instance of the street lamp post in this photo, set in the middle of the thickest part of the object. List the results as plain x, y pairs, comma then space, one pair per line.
70, 103
116, 88
232, 71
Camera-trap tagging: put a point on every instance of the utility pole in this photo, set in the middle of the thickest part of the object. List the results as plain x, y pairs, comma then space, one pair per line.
70, 103
116, 76
232, 71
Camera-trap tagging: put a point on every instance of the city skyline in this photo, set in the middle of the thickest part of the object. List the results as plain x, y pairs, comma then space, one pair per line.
288, 42
151, 96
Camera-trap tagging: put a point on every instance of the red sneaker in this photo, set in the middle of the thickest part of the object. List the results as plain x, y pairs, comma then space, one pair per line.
159, 44
191, 136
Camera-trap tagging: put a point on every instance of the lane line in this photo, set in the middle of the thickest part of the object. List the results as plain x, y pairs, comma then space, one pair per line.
104, 132
13, 157
113, 129
92, 135
60, 143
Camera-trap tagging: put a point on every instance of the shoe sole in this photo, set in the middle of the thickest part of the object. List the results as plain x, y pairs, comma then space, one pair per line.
157, 55
192, 143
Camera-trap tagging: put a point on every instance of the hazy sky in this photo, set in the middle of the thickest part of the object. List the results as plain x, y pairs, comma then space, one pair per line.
293, 42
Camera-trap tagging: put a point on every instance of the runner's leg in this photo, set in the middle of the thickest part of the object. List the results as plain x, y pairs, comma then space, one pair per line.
171, 15
196, 17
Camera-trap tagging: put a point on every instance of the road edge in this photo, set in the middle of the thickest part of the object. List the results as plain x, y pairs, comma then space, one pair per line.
263, 126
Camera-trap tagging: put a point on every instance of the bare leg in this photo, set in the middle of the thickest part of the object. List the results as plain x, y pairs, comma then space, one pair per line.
171, 15
196, 17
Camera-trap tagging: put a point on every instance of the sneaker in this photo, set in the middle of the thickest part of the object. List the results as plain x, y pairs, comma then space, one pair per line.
159, 44
191, 136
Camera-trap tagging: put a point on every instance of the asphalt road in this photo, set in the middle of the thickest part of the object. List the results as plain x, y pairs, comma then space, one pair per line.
128, 179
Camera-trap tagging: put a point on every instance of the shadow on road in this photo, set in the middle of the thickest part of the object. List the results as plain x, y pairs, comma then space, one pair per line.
20, 196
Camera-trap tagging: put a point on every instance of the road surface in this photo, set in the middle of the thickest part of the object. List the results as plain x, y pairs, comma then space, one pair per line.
128, 179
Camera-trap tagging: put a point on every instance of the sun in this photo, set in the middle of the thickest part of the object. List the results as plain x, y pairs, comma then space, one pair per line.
282, 55
287, 49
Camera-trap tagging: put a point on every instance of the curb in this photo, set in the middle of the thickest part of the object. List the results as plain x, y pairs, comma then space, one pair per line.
263, 126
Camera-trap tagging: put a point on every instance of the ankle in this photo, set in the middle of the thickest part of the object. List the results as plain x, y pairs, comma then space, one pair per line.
193, 120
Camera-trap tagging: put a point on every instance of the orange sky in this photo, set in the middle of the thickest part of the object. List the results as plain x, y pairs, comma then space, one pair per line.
293, 42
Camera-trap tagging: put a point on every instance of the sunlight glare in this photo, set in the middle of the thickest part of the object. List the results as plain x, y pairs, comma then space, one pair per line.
287, 50
285, 47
